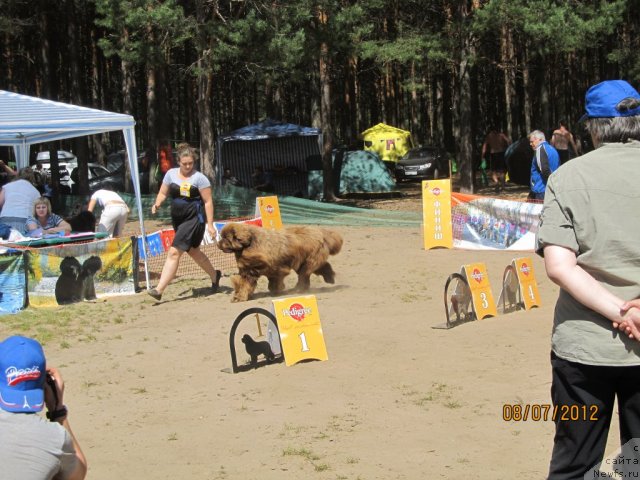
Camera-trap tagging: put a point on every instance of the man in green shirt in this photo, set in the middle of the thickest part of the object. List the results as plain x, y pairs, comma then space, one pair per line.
589, 239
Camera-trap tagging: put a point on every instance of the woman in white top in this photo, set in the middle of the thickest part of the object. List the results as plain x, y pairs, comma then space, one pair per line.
114, 211
17, 199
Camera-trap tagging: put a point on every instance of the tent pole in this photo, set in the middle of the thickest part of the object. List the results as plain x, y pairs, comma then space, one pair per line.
132, 154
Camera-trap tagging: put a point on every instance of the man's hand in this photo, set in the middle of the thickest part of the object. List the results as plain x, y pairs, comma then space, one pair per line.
54, 400
630, 312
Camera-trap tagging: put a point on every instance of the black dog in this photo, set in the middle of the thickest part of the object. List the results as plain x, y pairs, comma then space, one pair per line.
68, 287
76, 281
257, 348
84, 221
90, 267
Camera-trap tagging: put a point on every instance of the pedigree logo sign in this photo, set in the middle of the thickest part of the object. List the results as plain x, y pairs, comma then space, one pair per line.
296, 312
477, 275
268, 209
300, 329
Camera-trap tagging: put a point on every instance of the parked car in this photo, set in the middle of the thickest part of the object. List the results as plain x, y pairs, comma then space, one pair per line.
99, 177
422, 163
115, 164
67, 161
63, 157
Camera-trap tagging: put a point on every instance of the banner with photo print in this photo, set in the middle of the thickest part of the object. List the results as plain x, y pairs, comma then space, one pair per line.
80, 272
485, 223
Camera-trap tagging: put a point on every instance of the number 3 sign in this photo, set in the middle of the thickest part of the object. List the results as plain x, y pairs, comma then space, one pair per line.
300, 329
478, 280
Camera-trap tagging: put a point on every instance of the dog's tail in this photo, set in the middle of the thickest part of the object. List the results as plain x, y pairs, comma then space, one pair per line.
333, 241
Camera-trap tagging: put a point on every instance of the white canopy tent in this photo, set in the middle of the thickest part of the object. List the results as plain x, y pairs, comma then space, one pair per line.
25, 121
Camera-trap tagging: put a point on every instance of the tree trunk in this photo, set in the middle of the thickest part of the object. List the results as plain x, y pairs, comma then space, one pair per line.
325, 110
152, 132
45, 51
98, 142
127, 106
205, 95
353, 63
526, 88
205, 87
508, 71
76, 82
465, 155
327, 129
415, 124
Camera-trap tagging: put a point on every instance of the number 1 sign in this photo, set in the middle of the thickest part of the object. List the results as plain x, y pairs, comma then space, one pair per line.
300, 329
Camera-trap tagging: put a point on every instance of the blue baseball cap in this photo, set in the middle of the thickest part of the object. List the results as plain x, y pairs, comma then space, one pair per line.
601, 100
23, 369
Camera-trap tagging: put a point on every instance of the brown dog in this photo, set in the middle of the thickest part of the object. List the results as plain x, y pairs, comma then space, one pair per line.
274, 253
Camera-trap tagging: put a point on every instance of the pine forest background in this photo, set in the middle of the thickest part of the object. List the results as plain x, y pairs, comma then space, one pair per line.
191, 70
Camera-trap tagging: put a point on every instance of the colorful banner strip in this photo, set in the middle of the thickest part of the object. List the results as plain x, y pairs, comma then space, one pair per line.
13, 282
485, 223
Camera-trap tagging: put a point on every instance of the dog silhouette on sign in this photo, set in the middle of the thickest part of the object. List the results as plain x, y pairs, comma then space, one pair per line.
76, 281
257, 348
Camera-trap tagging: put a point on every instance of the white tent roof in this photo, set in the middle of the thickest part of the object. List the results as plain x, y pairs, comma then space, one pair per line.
25, 121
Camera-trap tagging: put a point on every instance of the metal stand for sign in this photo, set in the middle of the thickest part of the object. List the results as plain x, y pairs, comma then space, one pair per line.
510, 299
279, 358
461, 297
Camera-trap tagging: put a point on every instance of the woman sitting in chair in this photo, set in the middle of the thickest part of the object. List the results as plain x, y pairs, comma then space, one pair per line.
45, 220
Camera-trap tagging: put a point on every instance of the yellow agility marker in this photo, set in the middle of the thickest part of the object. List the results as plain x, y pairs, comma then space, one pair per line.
527, 281
481, 295
436, 214
300, 330
268, 209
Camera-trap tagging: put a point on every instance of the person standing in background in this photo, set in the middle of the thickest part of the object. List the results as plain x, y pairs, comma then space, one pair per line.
17, 198
6, 173
114, 211
545, 161
496, 144
561, 140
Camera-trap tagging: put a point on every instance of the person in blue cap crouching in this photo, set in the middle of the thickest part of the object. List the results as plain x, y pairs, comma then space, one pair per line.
31, 447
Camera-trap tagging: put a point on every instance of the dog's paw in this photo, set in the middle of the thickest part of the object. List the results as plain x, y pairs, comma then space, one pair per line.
329, 279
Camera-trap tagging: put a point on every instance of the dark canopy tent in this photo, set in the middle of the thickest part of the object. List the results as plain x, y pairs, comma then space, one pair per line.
283, 149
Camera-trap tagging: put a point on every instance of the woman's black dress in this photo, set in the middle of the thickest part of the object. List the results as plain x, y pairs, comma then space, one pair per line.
187, 216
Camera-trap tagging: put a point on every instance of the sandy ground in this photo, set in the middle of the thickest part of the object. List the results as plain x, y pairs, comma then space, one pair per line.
151, 396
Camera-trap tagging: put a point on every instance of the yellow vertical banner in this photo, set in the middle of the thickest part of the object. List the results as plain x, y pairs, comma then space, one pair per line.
268, 209
527, 280
300, 329
436, 213
483, 303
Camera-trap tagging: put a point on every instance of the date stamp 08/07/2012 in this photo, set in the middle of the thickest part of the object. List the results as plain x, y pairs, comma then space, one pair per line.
541, 412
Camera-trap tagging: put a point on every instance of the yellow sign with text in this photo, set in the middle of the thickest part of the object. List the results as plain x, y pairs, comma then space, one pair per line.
436, 213
300, 330
268, 209
527, 280
483, 303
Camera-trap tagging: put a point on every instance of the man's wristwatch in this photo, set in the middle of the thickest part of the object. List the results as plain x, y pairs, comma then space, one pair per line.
57, 414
